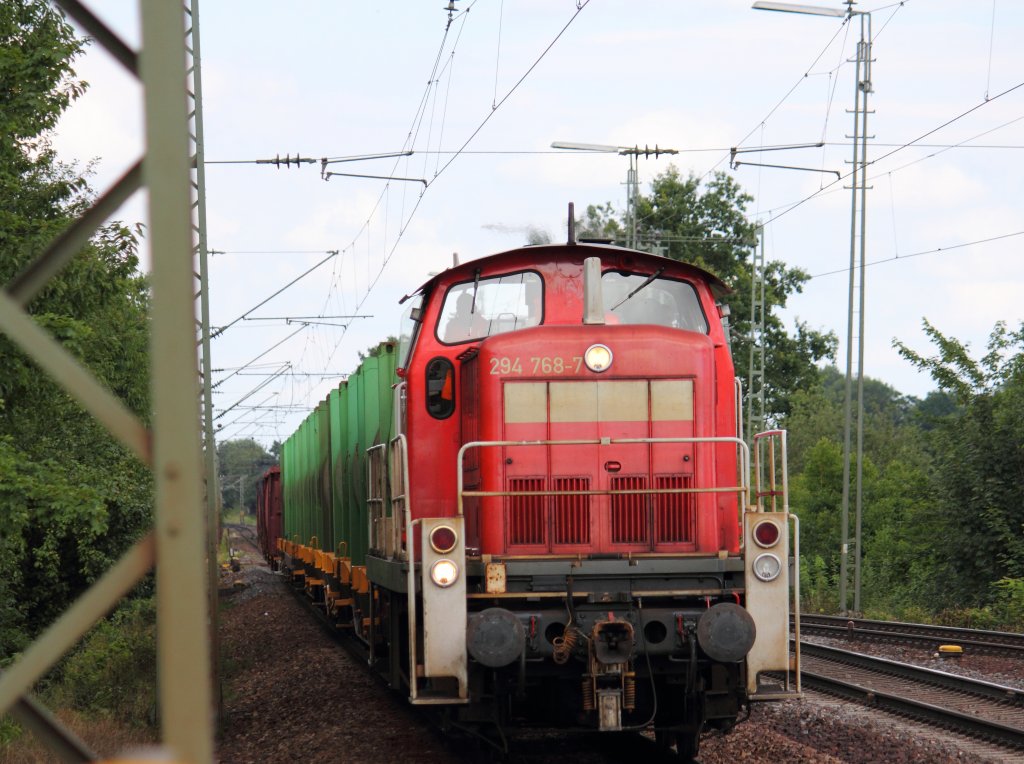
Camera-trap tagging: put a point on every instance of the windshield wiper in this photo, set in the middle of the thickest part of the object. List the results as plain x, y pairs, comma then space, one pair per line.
650, 278
476, 286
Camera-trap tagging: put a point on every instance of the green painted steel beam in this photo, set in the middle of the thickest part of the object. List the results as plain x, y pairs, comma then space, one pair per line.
183, 643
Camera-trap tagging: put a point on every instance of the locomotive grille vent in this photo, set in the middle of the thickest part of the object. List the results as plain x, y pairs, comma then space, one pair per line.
674, 513
630, 516
527, 519
571, 513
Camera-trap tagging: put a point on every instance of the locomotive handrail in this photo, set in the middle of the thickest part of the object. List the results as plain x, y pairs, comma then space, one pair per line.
738, 385
411, 604
743, 487
772, 491
375, 502
400, 439
796, 599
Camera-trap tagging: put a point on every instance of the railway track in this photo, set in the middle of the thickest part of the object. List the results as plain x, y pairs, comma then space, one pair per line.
245, 532
993, 713
979, 642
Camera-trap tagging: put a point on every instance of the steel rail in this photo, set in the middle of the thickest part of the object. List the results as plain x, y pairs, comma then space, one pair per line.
992, 642
874, 683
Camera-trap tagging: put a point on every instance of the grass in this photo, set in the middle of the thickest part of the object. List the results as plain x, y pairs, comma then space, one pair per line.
105, 736
104, 691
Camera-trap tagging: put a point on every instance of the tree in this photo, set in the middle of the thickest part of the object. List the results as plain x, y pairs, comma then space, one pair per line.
892, 421
71, 498
708, 227
978, 451
241, 463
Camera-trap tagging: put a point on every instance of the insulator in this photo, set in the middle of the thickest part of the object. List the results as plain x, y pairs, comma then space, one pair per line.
589, 701
629, 691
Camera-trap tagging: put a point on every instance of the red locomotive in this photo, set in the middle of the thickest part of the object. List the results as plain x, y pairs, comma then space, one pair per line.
536, 507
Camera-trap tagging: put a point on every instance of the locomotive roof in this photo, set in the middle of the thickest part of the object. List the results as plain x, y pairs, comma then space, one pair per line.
575, 251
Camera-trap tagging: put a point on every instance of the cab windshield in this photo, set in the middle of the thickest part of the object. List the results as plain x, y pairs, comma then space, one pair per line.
488, 306
633, 298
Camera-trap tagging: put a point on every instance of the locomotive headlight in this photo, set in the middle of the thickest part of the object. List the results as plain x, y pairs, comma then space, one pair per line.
444, 573
767, 567
598, 358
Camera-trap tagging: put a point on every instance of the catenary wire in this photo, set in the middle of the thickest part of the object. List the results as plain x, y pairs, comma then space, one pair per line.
896, 150
934, 251
221, 329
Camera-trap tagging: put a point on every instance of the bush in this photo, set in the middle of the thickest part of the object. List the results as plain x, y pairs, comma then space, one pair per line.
1009, 603
817, 586
113, 672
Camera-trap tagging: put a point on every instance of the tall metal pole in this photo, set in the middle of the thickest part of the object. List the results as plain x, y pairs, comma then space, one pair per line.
631, 194
755, 377
858, 225
864, 85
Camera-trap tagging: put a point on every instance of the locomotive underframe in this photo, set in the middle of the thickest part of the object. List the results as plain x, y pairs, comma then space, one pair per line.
661, 600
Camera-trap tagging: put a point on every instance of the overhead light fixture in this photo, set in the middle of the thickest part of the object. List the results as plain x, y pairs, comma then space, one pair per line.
813, 10
586, 147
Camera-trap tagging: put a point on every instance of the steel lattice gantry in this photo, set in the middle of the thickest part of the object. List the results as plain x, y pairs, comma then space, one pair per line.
171, 447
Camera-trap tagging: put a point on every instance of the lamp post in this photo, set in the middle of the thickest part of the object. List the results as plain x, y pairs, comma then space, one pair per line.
632, 183
858, 228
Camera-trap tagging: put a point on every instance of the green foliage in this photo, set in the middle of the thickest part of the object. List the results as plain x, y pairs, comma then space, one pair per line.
376, 349
9, 731
71, 498
897, 507
818, 591
708, 227
943, 503
600, 222
241, 464
816, 495
978, 453
113, 672
1009, 603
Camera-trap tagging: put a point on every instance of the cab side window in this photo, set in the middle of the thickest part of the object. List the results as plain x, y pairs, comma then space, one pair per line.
440, 381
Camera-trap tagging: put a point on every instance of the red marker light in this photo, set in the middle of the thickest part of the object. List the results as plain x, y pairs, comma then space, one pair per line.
766, 533
443, 539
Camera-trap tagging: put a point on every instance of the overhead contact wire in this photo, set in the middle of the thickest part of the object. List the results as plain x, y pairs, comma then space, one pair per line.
221, 329
925, 252
902, 147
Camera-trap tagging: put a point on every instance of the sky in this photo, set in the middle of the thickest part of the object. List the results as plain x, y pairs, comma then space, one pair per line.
480, 100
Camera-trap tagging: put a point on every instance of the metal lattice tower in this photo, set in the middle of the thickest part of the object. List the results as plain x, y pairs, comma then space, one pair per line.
755, 375
171, 446
198, 178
